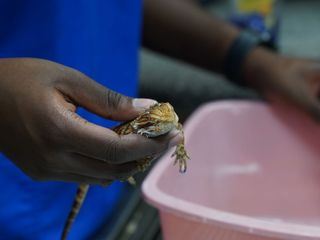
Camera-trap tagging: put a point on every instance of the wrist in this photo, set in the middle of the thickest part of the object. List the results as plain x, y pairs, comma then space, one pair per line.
245, 47
259, 67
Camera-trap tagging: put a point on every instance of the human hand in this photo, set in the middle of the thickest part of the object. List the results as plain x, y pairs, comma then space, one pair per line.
42, 134
279, 78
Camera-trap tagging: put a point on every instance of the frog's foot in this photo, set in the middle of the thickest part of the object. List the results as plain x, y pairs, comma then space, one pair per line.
132, 181
144, 164
181, 157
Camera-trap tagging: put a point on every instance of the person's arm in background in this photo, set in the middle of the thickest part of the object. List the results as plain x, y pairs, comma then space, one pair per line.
182, 29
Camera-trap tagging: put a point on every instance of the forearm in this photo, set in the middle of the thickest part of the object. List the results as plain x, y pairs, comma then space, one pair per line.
183, 30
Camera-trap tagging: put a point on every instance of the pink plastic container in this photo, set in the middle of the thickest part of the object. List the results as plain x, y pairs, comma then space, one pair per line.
254, 174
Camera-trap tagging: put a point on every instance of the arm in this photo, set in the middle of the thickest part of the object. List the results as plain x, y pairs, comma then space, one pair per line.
183, 30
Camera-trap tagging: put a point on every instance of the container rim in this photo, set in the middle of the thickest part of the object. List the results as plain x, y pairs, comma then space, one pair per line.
152, 193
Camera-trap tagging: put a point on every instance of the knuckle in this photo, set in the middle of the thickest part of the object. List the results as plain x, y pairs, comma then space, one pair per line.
113, 99
115, 152
74, 74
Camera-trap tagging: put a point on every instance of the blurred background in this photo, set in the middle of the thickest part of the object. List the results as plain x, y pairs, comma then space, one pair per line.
186, 87
169, 80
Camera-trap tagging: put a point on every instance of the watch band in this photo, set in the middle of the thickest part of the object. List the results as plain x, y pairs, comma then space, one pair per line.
239, 49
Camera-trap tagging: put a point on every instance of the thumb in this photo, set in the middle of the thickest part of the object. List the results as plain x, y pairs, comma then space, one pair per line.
100, 100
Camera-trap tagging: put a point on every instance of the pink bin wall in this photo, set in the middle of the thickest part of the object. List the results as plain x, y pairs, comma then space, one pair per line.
254, 174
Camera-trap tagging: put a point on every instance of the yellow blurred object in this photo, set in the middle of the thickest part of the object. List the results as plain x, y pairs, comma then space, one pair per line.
263, 7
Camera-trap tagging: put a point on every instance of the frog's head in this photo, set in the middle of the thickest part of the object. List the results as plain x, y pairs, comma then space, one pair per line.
159, 119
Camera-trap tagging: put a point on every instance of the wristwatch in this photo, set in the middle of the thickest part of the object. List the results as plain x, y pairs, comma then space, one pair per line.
240, 48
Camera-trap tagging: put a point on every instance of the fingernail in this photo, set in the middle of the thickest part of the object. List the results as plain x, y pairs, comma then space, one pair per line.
174, 132
143, 103
176, 140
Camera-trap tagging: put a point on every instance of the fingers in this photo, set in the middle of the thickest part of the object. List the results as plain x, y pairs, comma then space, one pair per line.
93, 168
82, 169
102, 101
104, 144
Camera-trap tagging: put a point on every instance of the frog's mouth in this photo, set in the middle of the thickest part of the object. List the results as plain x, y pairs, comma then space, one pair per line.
156, 130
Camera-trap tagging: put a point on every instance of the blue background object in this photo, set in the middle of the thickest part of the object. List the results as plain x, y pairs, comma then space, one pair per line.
101, 39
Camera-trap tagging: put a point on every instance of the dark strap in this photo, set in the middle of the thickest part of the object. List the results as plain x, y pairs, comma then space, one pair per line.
239, 49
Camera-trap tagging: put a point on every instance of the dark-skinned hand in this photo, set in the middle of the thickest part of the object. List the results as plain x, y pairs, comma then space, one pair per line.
42, 134
285, 79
